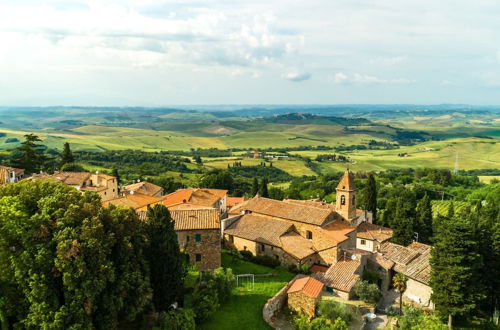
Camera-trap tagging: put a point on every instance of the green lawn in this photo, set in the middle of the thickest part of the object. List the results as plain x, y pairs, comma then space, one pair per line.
244, 309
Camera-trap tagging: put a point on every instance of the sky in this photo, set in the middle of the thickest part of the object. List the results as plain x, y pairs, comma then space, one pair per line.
157, 53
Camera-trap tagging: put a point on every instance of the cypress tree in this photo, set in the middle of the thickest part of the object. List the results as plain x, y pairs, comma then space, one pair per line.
423, 225
166, 262
255, 187
455, 268
371, 196
263, 192
116, 174
404, 219
66, 155
29, 155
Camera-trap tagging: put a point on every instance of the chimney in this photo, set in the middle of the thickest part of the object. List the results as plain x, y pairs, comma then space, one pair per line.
97, 172
131, 192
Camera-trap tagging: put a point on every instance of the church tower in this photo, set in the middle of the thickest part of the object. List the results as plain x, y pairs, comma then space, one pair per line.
346, 197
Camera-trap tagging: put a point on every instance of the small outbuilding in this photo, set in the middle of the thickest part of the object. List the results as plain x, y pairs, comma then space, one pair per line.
304, 295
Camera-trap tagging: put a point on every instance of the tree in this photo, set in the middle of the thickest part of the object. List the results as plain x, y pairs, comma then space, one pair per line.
255, 187
404, 218
367, 292
423, 225
66, 155
371, 196
263, 192
72, 167
197, 159
116, 174
455, 268
166, 262
399, 281
30, 155
66, 261
218, 179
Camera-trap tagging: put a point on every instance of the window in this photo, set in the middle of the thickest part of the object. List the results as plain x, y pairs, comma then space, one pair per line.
342, 200
105, 193
309, 234
198, 257
231, 239
187, 238
276, 257
113, 189
353, 200
262, 247
363, 242
244, 248
197, 238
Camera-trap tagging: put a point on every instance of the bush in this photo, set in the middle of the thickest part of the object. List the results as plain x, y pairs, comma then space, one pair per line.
225, 282
414, 318
371, 276
179, 319
266, 261
11, 140
367, 292
333, 310
304, 269
246, 255
319, 323
72, 167
205, 300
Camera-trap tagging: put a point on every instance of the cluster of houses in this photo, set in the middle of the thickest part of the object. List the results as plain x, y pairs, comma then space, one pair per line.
337, 241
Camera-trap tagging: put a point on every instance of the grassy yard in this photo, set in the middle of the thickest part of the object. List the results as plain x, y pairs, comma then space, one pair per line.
244, 309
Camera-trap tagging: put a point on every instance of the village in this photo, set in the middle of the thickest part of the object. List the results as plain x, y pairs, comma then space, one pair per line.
337, 242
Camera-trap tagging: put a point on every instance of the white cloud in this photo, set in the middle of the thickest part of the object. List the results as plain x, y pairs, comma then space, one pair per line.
296, 76
364, 79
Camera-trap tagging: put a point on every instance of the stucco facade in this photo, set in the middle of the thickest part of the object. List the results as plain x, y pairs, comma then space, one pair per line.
418, 293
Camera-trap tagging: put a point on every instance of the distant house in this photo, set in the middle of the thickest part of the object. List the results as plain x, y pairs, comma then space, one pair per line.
255, 154
234, 201
304, 295
198, 232
106, 186
144, 188
369, 236
197, 198
10, 174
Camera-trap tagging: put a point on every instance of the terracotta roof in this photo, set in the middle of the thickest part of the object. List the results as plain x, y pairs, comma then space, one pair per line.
318, 268
189, 206
337, 230
144, 187
381, 260
135, 201
258, 228
199, 196
311, 202
232, 201
399, 254
373, 232
341, 276
289, 211
105, 176
296, 245
73, 178
308, 285
347, 182
196, 219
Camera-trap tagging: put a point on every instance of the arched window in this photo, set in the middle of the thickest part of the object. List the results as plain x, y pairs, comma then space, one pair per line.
342, 200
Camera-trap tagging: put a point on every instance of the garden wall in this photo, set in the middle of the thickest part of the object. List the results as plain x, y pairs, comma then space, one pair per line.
276, 303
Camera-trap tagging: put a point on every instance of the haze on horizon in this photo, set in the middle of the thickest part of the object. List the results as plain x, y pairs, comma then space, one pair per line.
153, 52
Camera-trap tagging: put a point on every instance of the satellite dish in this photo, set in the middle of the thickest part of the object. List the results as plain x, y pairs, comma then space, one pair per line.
353, 257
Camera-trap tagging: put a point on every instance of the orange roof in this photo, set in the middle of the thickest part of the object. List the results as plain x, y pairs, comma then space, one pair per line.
143, 187
342, 275
338, 230
177, 197
311, 202
196, 219
347, 182
232, 201
135, 201
198, 196
318, 268
373, 232
308, 285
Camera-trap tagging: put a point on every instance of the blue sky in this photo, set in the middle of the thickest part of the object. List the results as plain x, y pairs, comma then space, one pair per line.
153, 53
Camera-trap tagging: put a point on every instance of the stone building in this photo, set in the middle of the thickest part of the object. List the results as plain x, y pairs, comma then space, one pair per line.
197, 198
198, 232
10, 174
304, 295
369, 236
292, 233
412, 261
144, 188
106, 186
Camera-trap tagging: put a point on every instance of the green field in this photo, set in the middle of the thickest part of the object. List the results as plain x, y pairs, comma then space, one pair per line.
294, 167
489, 178
244, 309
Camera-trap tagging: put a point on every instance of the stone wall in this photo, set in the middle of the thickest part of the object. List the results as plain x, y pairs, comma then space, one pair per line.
302, 302
276, 303
418, 293
208, 249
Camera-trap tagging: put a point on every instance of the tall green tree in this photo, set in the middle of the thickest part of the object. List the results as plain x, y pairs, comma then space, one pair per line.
66, 261
371, 196
166, 262
423, 224
66, 155
403, 222
30, 155
263, 191
255, 187
456, 268
116, 174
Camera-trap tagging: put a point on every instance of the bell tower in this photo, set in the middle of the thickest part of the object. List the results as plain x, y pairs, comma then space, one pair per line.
346, 196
